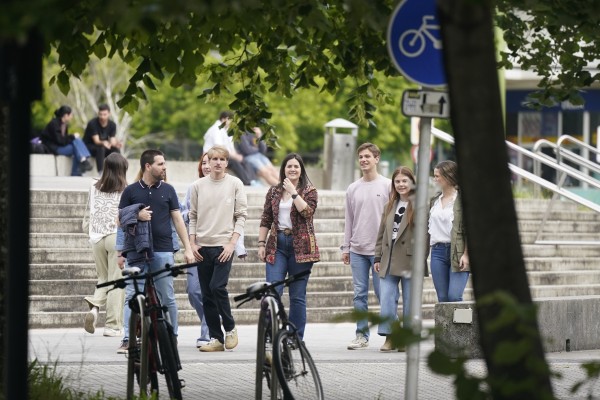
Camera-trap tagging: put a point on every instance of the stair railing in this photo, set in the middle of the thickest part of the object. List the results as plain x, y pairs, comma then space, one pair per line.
557, 189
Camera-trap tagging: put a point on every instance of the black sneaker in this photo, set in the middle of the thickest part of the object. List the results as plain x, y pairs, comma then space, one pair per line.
86, 165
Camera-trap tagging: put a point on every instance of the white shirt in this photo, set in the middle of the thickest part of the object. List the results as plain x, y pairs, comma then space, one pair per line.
400, 210
440, 220
285, 210
217, 137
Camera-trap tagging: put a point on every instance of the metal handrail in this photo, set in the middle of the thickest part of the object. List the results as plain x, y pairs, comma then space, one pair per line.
564, 138
567, 169
556, 189
566, 154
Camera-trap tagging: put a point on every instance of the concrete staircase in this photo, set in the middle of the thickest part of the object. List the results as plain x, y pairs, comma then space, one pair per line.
63, 272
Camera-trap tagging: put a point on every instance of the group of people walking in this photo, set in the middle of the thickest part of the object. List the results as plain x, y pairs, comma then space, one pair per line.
210, 223
210, 226
379, 240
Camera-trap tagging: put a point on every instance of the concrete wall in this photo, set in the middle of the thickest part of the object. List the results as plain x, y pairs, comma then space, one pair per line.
566, 323
177, 171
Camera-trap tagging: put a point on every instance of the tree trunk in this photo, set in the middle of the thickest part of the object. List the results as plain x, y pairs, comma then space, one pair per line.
3, 230
20, 84
492, 232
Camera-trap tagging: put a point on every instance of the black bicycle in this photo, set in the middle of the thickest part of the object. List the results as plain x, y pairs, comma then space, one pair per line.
279, 346
152, 342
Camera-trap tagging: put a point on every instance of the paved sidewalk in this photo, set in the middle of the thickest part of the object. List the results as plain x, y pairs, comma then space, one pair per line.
90, 363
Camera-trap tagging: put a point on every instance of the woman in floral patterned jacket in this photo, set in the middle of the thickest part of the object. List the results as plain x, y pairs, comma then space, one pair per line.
291, 246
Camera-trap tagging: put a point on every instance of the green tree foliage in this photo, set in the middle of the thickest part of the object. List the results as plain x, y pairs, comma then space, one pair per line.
268, 46
177, 113
103, 81
556, 39
277, 46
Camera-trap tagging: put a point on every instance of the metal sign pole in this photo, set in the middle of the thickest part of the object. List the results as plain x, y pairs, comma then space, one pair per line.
419, 258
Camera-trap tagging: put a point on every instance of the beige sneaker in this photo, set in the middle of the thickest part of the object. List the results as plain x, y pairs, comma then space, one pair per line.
387, 346
109, 332
231, 339
90, 320
360, 342
213, 345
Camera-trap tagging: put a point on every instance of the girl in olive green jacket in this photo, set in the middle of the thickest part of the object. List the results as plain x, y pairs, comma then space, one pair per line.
449, 258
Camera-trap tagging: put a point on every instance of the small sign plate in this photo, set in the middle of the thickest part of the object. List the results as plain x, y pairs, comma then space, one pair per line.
463, 316
425, 103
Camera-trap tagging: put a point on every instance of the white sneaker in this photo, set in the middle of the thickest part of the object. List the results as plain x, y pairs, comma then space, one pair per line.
109, 332
213, 345
201, 342
360, 342
90, 320
231, 339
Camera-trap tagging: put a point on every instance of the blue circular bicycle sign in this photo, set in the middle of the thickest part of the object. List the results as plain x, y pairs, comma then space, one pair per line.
414, 42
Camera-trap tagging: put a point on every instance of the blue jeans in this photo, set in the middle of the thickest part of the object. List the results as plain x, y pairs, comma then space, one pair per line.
164, 288
285, 264
195, 296
214, 276
361, 267
389, 295
449, 285
77, 150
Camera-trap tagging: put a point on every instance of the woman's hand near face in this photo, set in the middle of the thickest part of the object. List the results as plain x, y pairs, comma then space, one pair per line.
288, 186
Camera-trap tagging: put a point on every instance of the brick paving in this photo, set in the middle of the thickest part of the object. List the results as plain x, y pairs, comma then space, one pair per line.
90, 363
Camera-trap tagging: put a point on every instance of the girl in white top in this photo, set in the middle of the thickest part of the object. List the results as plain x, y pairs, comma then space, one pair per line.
103, 204
449, 258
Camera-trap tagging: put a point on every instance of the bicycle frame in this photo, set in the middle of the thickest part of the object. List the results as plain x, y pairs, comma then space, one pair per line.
147, 309
268, 318
133, 345
271, 306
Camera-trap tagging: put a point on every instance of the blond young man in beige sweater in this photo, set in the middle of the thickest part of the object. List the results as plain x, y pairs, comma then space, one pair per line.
218, 210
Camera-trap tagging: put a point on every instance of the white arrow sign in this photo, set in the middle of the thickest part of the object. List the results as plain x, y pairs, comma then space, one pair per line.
425, 103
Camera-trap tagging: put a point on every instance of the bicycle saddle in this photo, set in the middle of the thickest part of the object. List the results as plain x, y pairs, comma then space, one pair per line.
131, 271
256, 287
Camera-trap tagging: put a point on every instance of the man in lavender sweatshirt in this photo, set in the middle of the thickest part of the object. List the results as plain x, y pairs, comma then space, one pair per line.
365, 200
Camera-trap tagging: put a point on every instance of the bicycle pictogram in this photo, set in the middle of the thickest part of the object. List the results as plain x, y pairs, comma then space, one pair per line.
412, 41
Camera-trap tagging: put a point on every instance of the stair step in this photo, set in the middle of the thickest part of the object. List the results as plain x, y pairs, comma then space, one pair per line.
63, 270
81, 240
565, 227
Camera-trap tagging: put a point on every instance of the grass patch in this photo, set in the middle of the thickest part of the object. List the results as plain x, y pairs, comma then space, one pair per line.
45, 383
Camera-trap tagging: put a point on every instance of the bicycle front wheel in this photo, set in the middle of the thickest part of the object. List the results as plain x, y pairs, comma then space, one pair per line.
295, 368
168, 349
133, 356
267, 328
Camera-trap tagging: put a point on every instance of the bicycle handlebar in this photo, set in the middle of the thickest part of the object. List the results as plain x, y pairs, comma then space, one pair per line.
257, 290
134, 273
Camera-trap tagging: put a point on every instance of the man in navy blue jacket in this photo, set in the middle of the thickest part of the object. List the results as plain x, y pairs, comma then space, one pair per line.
162, 207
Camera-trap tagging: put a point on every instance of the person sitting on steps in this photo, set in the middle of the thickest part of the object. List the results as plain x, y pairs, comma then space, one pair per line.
57, 139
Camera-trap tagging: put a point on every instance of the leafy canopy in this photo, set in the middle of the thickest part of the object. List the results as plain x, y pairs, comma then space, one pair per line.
268, 46
280, 46
555, 38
